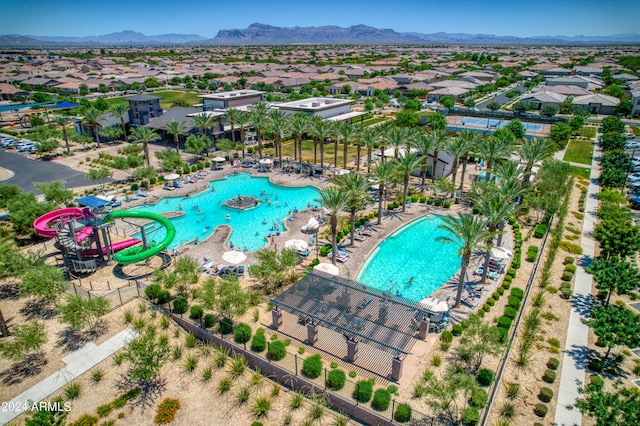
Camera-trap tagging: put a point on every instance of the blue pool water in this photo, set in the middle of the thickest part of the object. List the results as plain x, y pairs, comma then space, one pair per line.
248, 228
530, 127
482, 131
412, 252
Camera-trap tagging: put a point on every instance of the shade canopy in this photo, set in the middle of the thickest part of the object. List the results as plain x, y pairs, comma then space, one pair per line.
500, 252
327, 268
311, 226
266, 161
435, 305
172, 176
64, 105
296, 244
218, 159
92, 201
234, 257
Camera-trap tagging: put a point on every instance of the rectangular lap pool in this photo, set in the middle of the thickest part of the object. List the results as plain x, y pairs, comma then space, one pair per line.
488, 123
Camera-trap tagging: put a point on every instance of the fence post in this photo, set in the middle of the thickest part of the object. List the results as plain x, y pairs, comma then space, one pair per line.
325, 379
120, 296
138, 288
393, 407
296, 358
357, 393
91, 285
269, 358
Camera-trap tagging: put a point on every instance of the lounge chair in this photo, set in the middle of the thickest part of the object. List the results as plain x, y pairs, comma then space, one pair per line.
168, 187
240, 270
305, 253
366, 231
472, 302
341, 258
359, 237
141, 193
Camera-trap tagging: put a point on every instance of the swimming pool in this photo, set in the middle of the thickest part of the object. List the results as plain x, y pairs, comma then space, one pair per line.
530, 127
250, 227
481, 131
412, 252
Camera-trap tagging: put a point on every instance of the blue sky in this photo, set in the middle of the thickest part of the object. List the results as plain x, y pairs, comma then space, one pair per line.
206, 17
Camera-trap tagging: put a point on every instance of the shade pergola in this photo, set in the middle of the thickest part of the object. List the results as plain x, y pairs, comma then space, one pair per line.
64, 105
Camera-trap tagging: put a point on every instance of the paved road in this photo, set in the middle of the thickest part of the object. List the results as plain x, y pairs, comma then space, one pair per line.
26, 171
501, 98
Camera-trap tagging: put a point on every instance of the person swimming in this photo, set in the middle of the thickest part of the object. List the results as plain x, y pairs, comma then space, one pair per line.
179, 206
411, 281
228, 216
264, 221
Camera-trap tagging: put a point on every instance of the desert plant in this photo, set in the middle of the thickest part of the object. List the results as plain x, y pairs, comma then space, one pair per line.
381, 400
403, 413
508, 410
545, 395
207, 372
261, 406
540, 410
436, 360
190, 363
549, 376
190, 340
165, 322
336, 379
363, 391
238, 366
553, 363
72, 391
224, 385
242, 333
243, 395
177, 352
166, 411
312, 366
296, 400
97, 374
220, 358
485, 377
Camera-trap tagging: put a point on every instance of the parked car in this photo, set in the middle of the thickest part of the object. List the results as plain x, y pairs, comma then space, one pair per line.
7, 142
628, 135
632, 145
634, 176
635, 203
32, 150
25, 146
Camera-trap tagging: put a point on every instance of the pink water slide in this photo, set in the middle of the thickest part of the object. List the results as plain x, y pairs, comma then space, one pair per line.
41, 224
116, 247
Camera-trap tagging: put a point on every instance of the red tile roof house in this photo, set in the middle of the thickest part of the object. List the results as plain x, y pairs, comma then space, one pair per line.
9, 92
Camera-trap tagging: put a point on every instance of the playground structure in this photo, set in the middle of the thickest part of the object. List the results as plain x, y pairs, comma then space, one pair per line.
84, 237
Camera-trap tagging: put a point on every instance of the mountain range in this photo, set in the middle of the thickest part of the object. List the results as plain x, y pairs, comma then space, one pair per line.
261, 34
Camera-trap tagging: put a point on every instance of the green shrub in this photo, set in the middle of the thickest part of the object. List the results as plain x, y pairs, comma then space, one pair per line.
596, 381
196, 312
481, 313
423, 199
437, 203
505, 322
312, 366
510, 312
569, 260
403, 413
104, 410
456, 330
485, 377
470, 416
566, 293
540, 230
491, 301
85, 420
479, 398
209, 320
226, 325
381, 400
517, 292
570, 247
259, 341
570, 268
508, 278
514, 302
134, 186
500, 291
447, 204
446, 336
180, 305
242, 334
430, 201
163, 297
545, 395
486, 307
277, 350
540, 410
336, 379
511, 272
553, 363
566, 276
152, 180
324, 251
549, 376
152, 291
363, 391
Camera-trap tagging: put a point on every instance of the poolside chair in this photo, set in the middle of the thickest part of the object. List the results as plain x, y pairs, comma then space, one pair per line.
305, 253
240, 270
359, 237
366, 231
341, 258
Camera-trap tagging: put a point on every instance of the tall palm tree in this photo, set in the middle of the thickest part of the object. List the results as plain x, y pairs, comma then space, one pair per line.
322, 130
472, 140
385, 135
333, 199
494, 149
175, 128
469, 231
405, 165
533, 151
278, 124
425, 144
370, 137
314, 124
356, 186
232, 118
382, 173
145, 135
242, 120
439, 140
93, 116
259, 119
298, 125
347, 133
204, 122
397, 137
120, 110
63, 122
456, 147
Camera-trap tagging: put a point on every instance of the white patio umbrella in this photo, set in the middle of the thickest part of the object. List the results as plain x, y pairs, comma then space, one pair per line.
218, 159
435, 305
342, 172
500, 253
266, 161
172, 176
234, 257
311, 226
296, 244
327, 268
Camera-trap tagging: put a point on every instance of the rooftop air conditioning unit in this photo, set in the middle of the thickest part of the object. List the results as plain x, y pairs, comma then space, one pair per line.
315, 104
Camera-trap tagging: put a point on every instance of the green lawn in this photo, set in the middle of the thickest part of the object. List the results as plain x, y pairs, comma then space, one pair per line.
168, 97
635, 130
307, 152
587, 132
374, 120
579, 152
580, 172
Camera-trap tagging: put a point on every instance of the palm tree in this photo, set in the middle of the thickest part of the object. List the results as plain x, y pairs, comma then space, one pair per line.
63, 122
315, 123
242, 119
204, 122
456, 147
322, 130
145, 135
175, 128
370, 137
278, 124
298, 125
439, 141
469, 231
259, 119
356, 186
397, 137
232, 117
405, 165
425, 144
333, 199
472, 141
93, 116
349, 134
382, 173
120, 110
493, 149
533, 151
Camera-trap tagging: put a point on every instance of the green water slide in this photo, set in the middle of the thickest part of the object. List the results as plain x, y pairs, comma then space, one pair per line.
138, 253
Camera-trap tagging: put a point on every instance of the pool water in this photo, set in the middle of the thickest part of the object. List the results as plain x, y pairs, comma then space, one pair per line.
499, 123
247, 225
412, 252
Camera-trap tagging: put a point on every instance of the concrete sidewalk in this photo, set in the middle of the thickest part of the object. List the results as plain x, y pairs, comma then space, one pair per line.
77, 362
575, 350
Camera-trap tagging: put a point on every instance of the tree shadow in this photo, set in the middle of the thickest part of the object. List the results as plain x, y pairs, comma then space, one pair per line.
72, 340
10, 291
150, 390
38, 309
29, 367
580, 355
582, 304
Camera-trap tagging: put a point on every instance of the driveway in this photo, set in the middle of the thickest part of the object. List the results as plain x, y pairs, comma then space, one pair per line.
501, 98
26, 171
